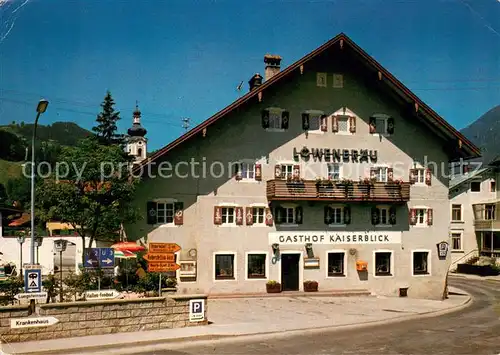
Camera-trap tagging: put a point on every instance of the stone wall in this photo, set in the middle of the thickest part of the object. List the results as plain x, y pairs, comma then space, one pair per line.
100, 317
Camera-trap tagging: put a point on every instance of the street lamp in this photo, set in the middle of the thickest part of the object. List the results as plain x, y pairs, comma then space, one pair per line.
60, 246
20, 239
41, 107
38, 244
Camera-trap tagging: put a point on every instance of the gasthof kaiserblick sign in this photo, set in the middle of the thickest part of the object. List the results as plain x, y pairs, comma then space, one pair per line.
336, 155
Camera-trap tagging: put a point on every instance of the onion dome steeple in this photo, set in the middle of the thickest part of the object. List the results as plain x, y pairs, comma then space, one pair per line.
137, 130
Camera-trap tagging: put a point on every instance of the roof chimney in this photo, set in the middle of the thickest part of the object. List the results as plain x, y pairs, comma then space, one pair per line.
273, 63
255, 81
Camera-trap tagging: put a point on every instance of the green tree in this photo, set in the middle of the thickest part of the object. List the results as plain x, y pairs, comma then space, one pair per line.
96, 196
107, 120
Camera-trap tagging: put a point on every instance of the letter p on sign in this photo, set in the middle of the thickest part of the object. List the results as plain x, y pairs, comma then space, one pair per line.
196, 310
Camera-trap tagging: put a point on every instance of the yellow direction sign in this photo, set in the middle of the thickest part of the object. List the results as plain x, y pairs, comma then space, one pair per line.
153, 257
163, 248
163, 267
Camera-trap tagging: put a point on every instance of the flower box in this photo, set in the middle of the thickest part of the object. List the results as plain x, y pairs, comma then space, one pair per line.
310, 286
273, 287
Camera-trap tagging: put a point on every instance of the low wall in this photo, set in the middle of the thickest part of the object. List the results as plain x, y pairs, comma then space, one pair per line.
77, 319
481, 270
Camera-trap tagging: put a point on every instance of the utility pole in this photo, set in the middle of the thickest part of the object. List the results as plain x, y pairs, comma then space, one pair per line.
185, 123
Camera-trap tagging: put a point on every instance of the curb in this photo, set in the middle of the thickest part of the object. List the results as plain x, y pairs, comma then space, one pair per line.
159, 344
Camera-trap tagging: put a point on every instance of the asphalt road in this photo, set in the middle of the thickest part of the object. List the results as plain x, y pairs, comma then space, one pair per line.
474, 330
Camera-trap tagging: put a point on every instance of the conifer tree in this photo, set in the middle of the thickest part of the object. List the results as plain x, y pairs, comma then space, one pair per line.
107, 120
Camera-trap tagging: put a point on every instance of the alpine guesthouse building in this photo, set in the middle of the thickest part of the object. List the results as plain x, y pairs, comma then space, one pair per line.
330, 170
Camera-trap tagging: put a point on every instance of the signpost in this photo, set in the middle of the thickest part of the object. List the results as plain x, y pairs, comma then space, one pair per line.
196, 310
106, 258
99, 258
161, 258
32, 280
163, 267
101, 295
33, 322
40, 296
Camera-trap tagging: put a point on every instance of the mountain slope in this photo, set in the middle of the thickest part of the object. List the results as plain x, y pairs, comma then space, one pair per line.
485, 133
15, 139
64, 133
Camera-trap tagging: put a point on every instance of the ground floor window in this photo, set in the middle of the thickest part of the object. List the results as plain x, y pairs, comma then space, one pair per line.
383, 263
256, 264
456, 241
224, 266
420, 262
335, 264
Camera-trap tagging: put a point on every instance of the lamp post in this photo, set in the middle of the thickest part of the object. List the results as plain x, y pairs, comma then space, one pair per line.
41, 107
38, 244
60, 246
20, 239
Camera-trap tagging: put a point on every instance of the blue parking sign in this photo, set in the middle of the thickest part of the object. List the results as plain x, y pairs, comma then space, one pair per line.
107, 257
196, 310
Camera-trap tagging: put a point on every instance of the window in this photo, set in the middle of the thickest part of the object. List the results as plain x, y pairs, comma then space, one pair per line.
287, 171
336, 264
258, 215
381, 125
247, 170
285, 215
489, 212
456, 213
343, 124
421, 214
314, 123
227, 215
164, 213
256, 265
420, 176
383, 263
493, 186
380, 174
335, 215
333, 171
475, 186
384, 215
456, 241
420, 263
321, 80
338, 81
275, 120
224, 267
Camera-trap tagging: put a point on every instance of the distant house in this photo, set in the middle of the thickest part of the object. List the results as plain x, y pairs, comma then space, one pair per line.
475, 219
330, 170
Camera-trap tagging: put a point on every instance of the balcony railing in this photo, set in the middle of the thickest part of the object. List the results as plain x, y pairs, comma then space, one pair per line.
308, 190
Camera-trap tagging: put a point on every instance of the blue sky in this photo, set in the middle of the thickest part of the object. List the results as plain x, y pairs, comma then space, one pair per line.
185, 58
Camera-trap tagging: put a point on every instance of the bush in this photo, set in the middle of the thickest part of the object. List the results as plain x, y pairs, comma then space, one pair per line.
11, 287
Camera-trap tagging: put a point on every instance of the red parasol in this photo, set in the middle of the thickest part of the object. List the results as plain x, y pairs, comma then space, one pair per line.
128, 246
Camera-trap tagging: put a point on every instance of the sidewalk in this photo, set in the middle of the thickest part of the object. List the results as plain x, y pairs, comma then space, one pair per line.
256, 316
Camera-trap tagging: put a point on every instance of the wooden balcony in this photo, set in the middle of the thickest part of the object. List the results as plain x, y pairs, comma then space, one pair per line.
486, 215
311, 190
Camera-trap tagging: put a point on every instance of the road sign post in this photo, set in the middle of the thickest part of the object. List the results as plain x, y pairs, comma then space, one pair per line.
33, 322
161, 258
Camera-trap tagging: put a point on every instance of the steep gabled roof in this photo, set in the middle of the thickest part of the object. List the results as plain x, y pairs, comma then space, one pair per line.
466, 177
468, 149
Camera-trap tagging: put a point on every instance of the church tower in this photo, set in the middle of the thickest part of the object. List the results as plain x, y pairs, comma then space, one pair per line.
136, 142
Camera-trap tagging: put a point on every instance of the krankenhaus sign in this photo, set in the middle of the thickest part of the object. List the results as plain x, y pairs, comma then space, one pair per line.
292, 238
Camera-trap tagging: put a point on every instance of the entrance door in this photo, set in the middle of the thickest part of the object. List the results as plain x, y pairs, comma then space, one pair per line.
290, 272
